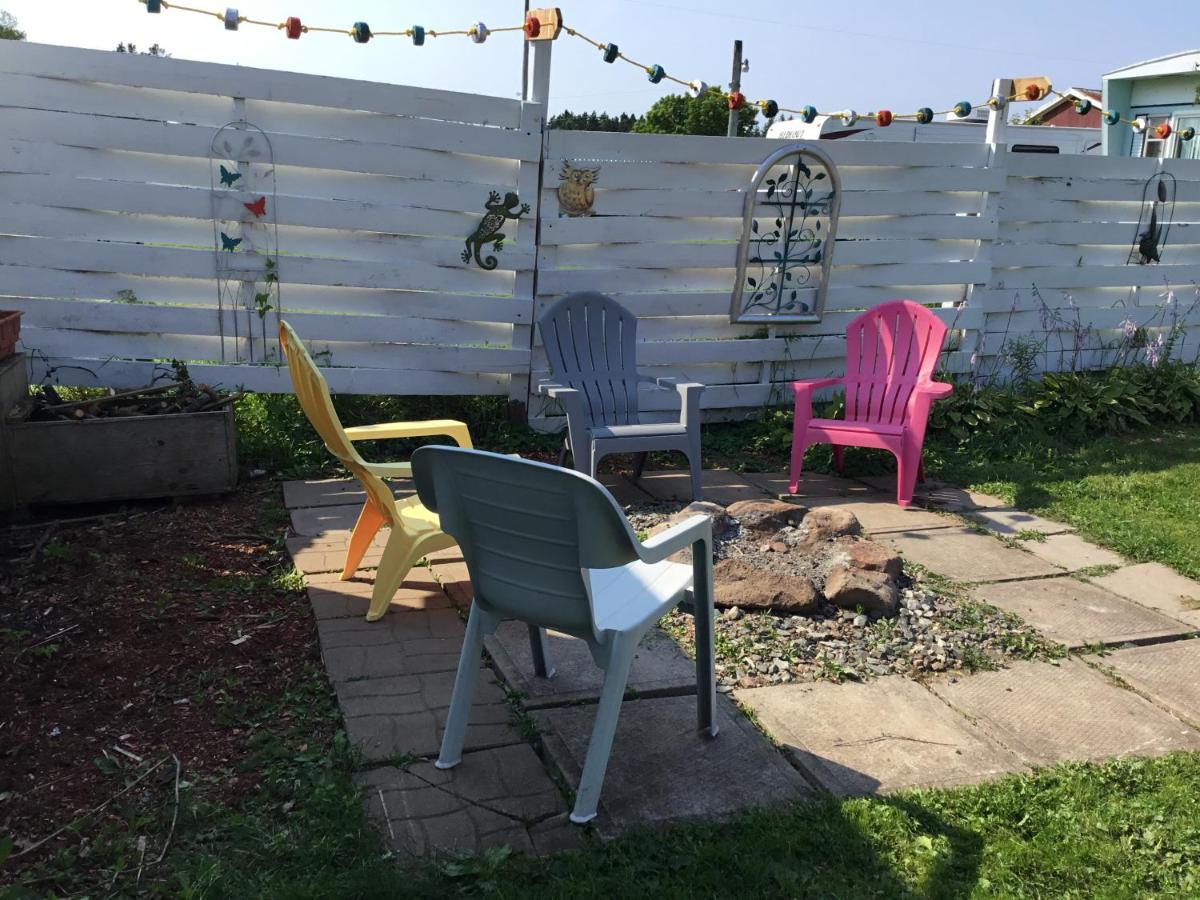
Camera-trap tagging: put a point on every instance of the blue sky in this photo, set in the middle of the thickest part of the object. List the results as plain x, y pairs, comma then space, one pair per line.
867, 55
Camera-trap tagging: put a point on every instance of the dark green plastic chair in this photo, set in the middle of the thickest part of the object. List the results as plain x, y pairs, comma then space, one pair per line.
550, 547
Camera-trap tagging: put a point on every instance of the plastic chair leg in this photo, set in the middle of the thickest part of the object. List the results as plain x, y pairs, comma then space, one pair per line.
455, 735
706, 677
399, 556
694, 465
839, 458
600, 745
370, 520
797, 465
639, 464
540, 649
906, 477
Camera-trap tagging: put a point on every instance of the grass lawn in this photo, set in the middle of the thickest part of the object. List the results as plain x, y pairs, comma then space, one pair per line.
1137, 493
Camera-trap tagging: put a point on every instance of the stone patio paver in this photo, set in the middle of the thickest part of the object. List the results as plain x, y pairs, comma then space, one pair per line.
1158, 587
719, 485
335, 492
328, 522
662, 769
387, 718
956, 499
1076, 613
659, 666
313, 555
880, 736
812, 484
623, 490
1049, 713
1169, 674
963, 554
881, 514
1072, 552
492, 797
335, 599
1010, 521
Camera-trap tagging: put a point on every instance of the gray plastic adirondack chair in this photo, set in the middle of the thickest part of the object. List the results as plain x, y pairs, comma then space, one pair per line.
591, 343
550, 547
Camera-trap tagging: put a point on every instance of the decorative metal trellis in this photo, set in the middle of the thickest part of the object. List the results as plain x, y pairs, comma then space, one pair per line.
789, 223
245, 243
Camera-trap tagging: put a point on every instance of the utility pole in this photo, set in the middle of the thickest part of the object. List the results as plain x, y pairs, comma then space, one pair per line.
735, 85
525, 60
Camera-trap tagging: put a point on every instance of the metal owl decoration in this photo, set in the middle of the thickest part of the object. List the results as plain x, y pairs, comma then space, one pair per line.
575, 192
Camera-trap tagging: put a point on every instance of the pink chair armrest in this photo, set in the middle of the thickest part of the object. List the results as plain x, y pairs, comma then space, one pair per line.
814, 384
936, 389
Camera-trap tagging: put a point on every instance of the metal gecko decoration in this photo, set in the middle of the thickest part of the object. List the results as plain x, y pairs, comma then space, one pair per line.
245, 242
575, 192
789, 222
488, 231
1154, 219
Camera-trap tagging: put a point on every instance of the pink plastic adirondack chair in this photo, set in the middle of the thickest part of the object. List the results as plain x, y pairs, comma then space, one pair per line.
891, 351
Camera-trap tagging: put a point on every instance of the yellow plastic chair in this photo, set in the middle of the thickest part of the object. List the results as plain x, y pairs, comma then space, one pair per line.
416, 531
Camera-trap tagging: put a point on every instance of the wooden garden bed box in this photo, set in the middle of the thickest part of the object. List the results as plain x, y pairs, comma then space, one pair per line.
128, 458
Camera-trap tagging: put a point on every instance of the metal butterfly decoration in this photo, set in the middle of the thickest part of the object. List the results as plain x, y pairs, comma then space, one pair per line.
258, 207
228, 243
228, 178
1158, 196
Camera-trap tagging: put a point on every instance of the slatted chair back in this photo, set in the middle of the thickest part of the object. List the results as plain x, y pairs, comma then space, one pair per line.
591, 343
889, 349
526, 530
313, 393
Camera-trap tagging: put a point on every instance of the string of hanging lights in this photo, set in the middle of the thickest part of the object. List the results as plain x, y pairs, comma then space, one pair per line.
534, 28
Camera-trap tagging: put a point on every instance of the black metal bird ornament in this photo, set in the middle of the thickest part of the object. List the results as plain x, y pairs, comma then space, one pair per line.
1150, 242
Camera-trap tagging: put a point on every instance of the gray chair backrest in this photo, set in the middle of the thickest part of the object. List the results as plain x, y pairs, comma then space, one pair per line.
591, 343
526, 529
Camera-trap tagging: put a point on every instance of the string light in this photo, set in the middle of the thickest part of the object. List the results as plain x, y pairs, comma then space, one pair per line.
610, 52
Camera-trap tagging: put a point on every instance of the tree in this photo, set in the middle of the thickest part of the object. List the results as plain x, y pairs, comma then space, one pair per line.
8, 27
684, 114
155, 49
569, 121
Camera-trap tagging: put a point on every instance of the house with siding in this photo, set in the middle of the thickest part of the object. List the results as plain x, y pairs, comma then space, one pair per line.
1167, 90
1060, 110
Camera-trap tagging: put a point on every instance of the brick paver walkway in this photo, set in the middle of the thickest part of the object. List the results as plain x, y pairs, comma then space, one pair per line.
524, 748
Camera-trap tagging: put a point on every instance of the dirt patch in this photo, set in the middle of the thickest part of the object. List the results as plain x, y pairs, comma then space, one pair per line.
129, 639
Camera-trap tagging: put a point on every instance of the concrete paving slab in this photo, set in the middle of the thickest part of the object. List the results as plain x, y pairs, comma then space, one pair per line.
1076, 613
623, 490
659, 667
1158, 587
416, 657
491, 798
1169, 674
342, 599
812, 484
881, 736
387, 718
719, 485
882, 514
963, 554
1046, 713
335, 492
1010, 521
956, 499
334, 521
1072, 552
408, 629
312, 556
662, 769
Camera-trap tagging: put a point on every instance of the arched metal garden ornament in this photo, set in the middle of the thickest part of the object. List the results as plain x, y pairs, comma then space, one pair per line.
789, 222
245, 243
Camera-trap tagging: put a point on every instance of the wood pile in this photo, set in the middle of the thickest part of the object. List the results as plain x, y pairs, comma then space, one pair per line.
45, 404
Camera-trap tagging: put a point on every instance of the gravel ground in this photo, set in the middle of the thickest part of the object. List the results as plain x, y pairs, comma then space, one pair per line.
934, 632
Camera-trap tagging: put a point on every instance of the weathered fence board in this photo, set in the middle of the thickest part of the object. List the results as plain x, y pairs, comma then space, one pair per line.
107, 233
107, 240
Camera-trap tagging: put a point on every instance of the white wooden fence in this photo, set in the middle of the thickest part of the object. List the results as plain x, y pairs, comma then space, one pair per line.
105, 199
